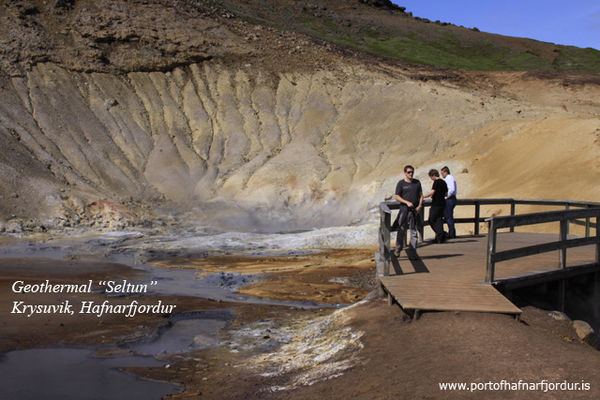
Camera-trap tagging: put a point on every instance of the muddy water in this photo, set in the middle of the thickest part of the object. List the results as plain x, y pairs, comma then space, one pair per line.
185, 332
131, 248
63, 373
216, 286
67, 373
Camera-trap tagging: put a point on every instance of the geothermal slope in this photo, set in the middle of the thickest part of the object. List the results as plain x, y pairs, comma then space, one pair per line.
252, 144
328, 145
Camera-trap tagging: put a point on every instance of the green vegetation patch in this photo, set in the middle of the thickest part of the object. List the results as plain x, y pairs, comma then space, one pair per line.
445, 50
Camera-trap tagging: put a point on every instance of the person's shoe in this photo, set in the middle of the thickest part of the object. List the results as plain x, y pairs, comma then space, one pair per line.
412, 254
397, 253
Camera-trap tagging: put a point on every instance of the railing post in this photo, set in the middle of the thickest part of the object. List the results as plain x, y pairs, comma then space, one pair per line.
564, 228
567, 208
562, 286
477, 211
491, 252
598, 238
562, 295
587, 227
380, 265
513, 207
422, 224
385, 226
384, 241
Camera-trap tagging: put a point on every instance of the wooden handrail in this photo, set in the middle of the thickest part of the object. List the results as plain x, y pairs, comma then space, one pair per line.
394, 205
495, 223
542, 217
581, 216
541, 248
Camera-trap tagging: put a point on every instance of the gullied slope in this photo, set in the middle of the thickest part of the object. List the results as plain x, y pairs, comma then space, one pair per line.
255, 149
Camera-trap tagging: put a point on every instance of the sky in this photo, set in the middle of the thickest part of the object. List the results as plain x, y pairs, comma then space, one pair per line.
575, 22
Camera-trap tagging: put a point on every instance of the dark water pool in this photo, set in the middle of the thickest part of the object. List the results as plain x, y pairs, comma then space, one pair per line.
66, 373
185, 332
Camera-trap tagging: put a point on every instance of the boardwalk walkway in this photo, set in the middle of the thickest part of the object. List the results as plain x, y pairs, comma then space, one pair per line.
451, 276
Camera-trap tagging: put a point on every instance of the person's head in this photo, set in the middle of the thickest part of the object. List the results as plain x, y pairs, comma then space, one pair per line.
445, 172
409, 171
434, 174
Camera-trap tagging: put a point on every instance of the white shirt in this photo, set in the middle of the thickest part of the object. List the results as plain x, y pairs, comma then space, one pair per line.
451, 182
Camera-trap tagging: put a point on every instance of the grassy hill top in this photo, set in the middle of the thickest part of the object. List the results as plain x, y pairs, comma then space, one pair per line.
382, 29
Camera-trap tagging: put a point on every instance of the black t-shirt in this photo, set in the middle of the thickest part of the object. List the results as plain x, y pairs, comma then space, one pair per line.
410, 191
441, 190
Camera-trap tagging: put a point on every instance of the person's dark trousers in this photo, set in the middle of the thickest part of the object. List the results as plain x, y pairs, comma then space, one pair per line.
449, 214
436, 213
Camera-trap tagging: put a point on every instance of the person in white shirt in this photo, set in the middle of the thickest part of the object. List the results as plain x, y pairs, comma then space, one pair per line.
450, 201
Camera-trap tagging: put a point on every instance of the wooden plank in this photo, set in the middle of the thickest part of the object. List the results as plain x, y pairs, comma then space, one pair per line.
428, 294
449, 276
466, 220
541, 248
385, 208
485, 202
585, 223
543, 217
536, 278
394, 205
496, 304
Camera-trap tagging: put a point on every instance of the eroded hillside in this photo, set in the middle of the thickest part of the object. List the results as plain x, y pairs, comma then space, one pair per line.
270, 128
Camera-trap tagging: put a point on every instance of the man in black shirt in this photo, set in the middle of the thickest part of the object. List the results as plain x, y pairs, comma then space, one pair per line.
438, 193
410, 195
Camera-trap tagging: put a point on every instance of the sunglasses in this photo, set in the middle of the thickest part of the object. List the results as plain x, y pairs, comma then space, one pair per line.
409, 172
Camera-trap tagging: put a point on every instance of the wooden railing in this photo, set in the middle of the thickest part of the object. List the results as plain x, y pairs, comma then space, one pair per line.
564, 243
571, 215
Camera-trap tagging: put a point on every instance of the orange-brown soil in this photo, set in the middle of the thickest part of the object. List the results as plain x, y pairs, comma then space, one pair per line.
333, 276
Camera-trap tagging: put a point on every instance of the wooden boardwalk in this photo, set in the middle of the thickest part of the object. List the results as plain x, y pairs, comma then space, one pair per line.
450, 276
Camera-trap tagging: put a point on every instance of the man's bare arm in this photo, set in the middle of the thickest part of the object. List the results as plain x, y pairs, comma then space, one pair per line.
428, 195
420, 206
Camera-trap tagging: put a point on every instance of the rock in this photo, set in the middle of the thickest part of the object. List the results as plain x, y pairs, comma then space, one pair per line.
204, 341
14, 226
465, 171
559, 316
64, 3
109, 103
582, 329
28, 9
593, 340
